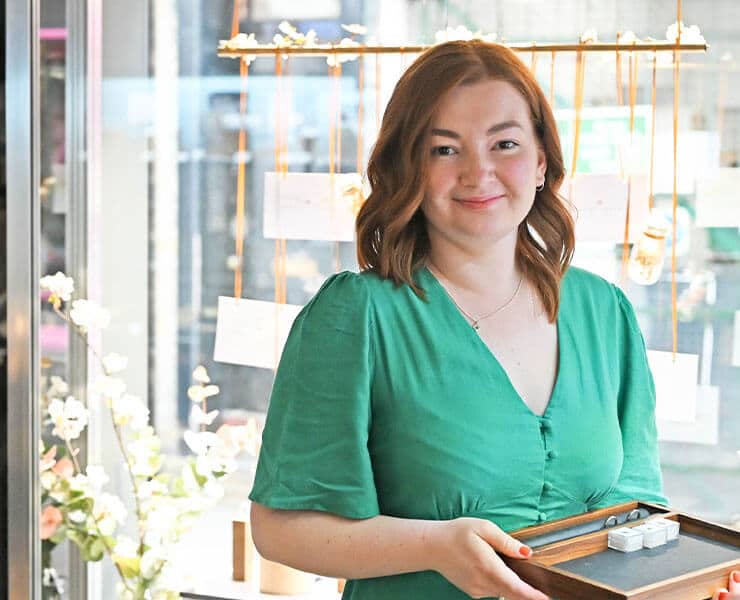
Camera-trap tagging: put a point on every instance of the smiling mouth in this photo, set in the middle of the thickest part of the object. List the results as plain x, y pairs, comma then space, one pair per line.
479, 201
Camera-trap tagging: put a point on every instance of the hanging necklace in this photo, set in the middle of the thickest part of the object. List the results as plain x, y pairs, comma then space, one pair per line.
475, 321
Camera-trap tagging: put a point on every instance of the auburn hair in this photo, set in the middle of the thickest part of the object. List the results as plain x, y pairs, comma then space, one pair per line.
392, 237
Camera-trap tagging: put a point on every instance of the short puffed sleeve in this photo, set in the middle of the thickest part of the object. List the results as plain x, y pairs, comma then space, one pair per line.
314, 453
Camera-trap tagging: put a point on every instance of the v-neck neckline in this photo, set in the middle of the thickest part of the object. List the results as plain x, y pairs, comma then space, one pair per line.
482, 346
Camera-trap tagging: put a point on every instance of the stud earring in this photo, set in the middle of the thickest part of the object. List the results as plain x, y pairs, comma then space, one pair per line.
540, 187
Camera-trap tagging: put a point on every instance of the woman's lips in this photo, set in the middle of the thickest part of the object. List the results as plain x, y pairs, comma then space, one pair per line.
479, 202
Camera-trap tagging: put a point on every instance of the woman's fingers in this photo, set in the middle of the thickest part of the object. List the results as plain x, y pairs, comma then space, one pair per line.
734, 585
502, 542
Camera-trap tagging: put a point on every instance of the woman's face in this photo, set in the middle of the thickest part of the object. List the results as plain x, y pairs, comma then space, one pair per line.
484, 163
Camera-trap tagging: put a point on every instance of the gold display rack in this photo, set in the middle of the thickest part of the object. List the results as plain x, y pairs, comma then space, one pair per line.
329, 49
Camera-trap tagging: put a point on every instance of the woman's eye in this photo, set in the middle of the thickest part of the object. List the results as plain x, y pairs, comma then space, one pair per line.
506, 145
443, 151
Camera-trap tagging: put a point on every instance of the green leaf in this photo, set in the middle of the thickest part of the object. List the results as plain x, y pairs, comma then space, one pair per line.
93, 549
77, 536
129, 565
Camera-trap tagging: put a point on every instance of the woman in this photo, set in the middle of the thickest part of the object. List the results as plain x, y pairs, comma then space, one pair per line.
463, 384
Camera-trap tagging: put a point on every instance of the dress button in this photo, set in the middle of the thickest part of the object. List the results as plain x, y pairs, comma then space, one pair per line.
545, 424
551, 454
542, 516
546, 486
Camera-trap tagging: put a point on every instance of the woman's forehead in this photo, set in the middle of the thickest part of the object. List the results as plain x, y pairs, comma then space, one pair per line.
489, 101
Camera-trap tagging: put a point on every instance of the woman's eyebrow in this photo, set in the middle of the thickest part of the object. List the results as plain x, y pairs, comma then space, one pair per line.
493, 129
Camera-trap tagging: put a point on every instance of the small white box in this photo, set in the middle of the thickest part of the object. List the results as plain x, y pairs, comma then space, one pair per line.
672, 527
625, 539
653, 534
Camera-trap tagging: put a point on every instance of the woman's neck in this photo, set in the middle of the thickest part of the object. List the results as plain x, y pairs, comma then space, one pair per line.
486, 271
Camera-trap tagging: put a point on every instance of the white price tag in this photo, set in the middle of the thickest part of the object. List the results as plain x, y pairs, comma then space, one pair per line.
675, 385
601, 206
252, 332
311, 206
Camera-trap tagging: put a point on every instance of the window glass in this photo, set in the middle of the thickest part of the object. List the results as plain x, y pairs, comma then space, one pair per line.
167, 224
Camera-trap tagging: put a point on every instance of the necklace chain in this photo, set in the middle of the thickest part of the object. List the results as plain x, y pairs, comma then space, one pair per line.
475, 321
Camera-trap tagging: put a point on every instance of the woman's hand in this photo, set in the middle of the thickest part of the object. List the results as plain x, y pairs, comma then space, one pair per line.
732, 591
465, 551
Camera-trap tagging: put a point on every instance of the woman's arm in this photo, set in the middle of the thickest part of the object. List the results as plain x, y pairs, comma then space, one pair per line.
462, 550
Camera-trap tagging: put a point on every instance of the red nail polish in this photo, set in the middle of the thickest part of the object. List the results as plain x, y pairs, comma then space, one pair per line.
724, 595
736, 576
525, 551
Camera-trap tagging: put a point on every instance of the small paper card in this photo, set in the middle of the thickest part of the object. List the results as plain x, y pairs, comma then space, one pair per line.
705, 430
311, 206
718, 198
601, 206
675, 385
252, 332
698, 154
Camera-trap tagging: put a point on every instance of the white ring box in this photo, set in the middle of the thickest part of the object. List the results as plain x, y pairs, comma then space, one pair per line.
653, 534
672, 527
625, 539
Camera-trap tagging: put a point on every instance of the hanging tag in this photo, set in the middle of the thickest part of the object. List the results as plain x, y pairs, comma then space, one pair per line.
252, 332
601, 206
311, 206
697, 155
705, 428
718, 198
675, 385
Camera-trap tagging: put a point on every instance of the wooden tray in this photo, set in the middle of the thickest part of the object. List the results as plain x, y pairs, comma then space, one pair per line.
571, 561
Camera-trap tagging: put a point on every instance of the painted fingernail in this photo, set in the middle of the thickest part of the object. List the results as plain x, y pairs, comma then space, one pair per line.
724, 596
525, 551
736, 576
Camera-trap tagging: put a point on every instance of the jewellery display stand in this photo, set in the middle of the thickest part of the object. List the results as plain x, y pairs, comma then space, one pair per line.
571, 560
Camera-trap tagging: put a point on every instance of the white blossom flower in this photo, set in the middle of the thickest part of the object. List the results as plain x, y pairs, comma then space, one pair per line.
589, 36
689, 35
125, 547
288, 29
151, 562
114, 363
213, 490
150, 488
69, 417
628, 37
198, 393
77, 516
88, 315
59, 285
130, 410
208, 464
58, 387
108, 511
336, 59
198, 417
355, 29
48, 480
96, 478
144, 452
200, 442
200, 375
107, 387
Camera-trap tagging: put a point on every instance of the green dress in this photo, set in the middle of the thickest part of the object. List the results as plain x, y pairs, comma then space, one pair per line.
385, 403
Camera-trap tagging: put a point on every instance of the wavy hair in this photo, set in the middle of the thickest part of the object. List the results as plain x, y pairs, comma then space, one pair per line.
392, 237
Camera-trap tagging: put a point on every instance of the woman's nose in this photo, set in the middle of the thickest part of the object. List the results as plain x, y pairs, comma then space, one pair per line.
476, 169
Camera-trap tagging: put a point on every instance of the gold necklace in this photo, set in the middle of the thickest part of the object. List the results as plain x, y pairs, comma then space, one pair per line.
475, 321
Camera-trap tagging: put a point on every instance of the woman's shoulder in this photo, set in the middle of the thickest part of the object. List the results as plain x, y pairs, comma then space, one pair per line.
583, 287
